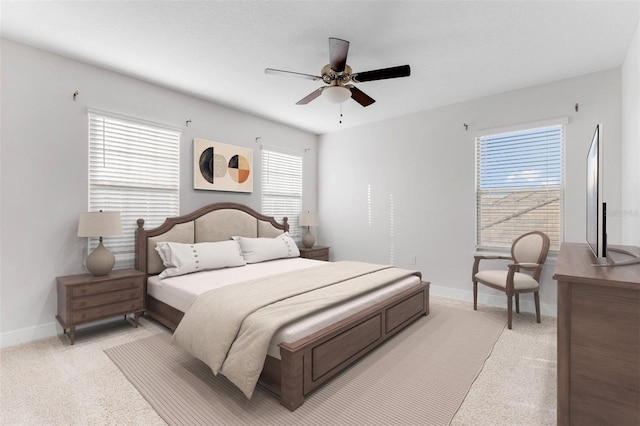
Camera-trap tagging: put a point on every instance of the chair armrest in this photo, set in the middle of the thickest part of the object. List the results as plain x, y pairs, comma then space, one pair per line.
478, 258
517, 266
490, 256
528, 265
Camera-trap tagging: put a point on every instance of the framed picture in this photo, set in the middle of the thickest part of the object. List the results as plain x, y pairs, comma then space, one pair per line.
221, 167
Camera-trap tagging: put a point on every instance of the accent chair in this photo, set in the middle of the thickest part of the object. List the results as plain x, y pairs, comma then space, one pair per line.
528, 253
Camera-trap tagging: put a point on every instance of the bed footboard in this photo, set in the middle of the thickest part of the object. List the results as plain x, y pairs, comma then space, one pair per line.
308, 363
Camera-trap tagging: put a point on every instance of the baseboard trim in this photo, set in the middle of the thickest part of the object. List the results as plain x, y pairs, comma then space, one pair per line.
44, 331
498, 300
28, 334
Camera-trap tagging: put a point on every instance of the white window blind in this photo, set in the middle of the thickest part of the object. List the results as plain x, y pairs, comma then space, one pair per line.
519, 185
133, 169
282, 188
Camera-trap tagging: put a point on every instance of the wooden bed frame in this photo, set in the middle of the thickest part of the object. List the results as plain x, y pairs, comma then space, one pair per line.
309, 362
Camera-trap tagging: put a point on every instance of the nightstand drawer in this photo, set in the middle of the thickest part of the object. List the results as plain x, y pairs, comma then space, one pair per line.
105, 298
106, 286
319, 253
92, 314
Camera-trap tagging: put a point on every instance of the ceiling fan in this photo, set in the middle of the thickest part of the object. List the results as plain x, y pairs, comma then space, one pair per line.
339, 76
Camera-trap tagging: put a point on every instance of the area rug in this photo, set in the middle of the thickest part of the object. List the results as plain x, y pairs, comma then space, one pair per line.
421, 376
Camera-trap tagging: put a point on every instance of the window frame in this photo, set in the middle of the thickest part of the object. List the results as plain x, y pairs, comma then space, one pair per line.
134, 196
481, 245
295, 197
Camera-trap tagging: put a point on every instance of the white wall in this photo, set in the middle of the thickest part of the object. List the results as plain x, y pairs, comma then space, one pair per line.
630, 213
420, 168
44, 168
421, 173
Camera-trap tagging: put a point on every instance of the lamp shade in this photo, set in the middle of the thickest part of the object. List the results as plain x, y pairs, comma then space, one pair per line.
336, 94
309, 219
99, 224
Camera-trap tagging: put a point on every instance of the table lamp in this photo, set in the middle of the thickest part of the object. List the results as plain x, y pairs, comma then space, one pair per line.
308, 219
100, 224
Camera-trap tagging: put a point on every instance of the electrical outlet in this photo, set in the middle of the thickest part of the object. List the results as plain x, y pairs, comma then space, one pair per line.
412, 259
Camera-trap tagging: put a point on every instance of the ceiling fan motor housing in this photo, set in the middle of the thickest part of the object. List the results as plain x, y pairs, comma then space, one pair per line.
330, 76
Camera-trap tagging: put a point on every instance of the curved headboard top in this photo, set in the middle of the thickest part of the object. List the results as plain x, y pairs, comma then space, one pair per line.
214, 222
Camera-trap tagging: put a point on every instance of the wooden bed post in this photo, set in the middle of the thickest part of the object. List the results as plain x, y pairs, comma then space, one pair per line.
292, 375
141, 247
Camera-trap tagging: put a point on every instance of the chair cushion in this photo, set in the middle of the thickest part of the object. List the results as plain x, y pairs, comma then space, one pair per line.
499, 278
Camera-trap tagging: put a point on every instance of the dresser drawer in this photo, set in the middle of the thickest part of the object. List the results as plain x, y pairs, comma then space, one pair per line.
105, 298
97, 312
106, 286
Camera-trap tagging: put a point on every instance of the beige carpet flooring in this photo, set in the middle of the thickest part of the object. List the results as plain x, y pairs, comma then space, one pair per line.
420, 376
49, 382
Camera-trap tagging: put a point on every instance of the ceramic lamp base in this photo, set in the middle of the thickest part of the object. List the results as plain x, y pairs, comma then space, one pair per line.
308, 239
100, 261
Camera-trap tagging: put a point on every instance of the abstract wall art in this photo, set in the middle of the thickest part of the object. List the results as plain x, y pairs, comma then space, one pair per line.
221, 167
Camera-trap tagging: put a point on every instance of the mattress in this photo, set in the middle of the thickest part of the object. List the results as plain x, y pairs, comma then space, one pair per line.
180, 292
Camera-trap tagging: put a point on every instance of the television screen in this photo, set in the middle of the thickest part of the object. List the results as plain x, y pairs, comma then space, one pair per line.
596, 233
597, 211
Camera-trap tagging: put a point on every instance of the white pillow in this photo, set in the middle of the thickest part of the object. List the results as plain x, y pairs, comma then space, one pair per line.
180, 259
256, 250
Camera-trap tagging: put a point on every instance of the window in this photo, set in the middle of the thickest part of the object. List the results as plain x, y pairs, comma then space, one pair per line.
282, 188
133, 169
519, 185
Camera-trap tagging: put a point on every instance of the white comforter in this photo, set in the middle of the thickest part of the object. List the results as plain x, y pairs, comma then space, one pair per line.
230, 328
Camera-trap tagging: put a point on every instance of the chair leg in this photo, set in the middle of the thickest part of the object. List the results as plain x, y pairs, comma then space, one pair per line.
509, 308
517, 303
536, 297
475, 295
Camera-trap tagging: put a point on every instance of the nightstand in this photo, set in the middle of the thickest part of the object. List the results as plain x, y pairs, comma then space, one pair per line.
86, 298
316, 253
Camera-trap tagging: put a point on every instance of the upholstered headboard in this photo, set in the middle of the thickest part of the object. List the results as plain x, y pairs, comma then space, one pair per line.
215, 222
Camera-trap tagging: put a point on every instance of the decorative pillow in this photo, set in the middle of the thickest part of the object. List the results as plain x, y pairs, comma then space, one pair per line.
180, 259
256, 250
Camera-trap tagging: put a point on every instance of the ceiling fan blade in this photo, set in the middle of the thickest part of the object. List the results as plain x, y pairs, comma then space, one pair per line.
338, 50
360, 97
311, 96
291, 74
381, 74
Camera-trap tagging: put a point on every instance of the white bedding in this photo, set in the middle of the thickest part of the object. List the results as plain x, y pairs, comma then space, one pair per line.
181, 291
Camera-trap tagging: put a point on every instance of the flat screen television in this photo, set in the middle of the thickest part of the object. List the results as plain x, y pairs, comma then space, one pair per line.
597, 209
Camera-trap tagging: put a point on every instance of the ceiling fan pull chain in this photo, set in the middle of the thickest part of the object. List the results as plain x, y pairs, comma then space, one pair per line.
340, 113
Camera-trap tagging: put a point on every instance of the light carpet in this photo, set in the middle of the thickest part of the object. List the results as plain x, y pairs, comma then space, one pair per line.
420, 376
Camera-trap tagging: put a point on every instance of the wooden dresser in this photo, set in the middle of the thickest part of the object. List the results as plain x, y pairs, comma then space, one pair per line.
86, 298
598, 340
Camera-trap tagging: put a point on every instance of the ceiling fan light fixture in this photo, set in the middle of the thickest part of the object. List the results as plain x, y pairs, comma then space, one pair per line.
336, 94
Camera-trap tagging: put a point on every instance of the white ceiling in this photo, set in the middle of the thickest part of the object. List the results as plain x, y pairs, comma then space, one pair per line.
458, 50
